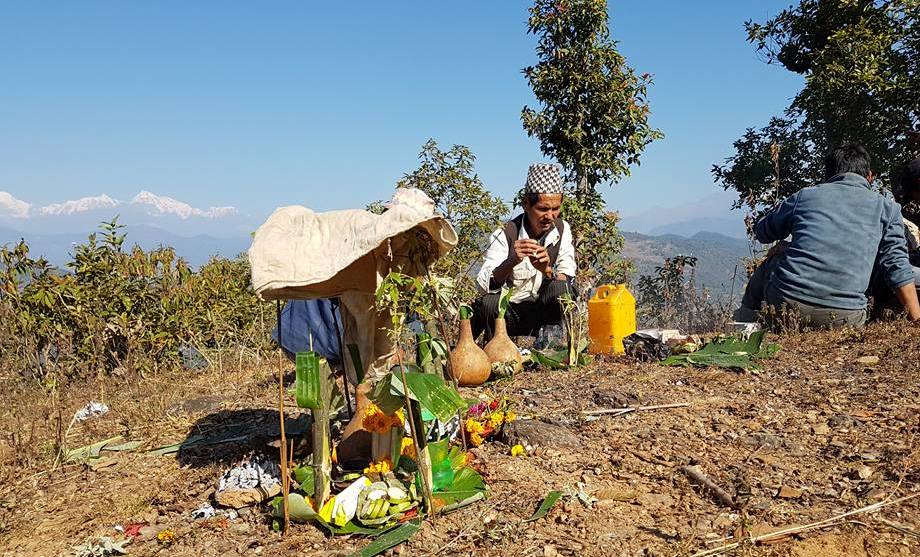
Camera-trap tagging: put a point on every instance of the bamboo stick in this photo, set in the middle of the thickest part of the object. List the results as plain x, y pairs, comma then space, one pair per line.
285, 477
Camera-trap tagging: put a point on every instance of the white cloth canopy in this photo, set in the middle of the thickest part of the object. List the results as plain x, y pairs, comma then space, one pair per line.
301, 254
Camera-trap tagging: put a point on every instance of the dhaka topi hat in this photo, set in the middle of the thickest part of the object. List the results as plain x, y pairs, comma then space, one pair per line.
543, 178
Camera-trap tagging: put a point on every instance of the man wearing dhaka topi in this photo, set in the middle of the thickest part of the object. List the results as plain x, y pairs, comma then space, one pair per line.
532, 255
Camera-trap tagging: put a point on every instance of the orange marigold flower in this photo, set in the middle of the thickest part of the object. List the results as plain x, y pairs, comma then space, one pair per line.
496, 419
407, 448
381, 467
474, 426
166, 536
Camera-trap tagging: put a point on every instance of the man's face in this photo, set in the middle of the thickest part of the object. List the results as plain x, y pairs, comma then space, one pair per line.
544, 212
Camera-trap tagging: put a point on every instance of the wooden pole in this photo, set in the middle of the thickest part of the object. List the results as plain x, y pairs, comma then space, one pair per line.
285, 477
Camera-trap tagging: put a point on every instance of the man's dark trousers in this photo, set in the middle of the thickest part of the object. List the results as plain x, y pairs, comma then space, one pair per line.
522, 318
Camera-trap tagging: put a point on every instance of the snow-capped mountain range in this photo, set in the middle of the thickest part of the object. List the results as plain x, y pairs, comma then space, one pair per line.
150, 220
156, 205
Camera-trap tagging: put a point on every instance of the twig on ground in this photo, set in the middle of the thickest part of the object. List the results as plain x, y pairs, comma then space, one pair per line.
697, 475
626, 410
899, 527
754, 452
793, 530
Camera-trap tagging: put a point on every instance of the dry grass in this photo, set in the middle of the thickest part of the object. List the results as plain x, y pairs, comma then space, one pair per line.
810, 420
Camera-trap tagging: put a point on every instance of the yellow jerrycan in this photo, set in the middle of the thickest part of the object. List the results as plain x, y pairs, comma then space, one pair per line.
611, 318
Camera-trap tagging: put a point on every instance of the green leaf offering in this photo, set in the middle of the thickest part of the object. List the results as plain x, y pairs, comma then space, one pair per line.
731, 353
307, 389
303, 475
466, 312
298, 508
430, 391
467, 483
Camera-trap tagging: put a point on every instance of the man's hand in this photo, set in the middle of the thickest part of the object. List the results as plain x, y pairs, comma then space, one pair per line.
907, 295
524, 249
778, 248
540, 260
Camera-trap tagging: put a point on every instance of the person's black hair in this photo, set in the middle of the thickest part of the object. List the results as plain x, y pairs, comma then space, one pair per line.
531, 198
848, 157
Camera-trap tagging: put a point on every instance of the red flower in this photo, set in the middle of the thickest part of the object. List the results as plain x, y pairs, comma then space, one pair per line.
493, 405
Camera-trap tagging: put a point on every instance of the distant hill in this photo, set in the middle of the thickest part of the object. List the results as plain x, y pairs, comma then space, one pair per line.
709, 213
717, 255
732, 227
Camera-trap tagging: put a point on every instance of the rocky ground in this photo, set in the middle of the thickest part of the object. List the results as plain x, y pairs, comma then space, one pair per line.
829, 426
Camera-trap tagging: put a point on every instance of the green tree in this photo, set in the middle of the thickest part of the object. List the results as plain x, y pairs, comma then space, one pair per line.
593, 115
449, 179
861, 64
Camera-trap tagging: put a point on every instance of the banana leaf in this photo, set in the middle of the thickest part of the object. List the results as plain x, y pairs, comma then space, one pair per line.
383, 396
298, 508
301, 511
443, 450
303, 475
731, 353
430, 390
90, 451
467, 483
424, 356
394, 537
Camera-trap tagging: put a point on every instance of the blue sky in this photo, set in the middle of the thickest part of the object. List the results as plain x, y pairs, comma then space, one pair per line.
261, 104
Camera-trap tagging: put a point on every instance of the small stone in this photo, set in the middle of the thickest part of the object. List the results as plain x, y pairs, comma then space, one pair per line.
550, 551
874, 495
787, 492
868, 360
245, 497
820, 429
761, 439
864, 472
842, 420
534, 433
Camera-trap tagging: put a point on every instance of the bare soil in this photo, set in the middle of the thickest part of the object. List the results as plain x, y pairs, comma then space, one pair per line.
814, 435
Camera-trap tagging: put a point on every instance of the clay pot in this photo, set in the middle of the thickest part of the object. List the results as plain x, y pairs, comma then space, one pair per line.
469, 363
502, 349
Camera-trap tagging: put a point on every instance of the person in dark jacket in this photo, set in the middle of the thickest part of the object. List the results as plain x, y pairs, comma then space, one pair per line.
839, 232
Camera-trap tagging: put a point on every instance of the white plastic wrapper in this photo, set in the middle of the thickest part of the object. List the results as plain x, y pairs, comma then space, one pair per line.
91, 410
250, 474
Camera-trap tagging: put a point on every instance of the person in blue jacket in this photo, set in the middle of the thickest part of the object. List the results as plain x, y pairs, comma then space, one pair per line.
838, 232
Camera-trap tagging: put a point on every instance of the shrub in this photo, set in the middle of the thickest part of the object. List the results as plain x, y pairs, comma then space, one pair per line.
114, 309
